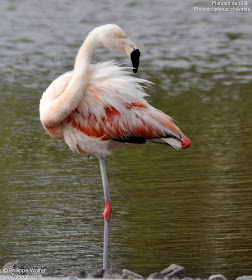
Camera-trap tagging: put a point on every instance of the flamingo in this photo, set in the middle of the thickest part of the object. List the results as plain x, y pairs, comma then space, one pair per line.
99, 108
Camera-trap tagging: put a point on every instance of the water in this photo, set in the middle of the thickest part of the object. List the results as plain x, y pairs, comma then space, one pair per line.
194, 207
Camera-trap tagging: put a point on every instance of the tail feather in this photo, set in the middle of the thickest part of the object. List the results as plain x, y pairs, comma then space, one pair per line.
178, 144
175, 143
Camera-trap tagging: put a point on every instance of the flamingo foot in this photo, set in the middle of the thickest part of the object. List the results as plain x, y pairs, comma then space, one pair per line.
107, 211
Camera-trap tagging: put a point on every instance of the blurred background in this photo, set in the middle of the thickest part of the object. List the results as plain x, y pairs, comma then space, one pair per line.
192, 208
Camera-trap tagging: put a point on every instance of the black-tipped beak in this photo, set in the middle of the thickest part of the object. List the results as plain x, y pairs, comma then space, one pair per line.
135, 55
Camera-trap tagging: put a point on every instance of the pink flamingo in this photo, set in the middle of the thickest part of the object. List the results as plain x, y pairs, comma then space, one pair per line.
99, 108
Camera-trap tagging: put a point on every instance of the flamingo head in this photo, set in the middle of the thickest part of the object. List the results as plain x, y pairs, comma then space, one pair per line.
112, 36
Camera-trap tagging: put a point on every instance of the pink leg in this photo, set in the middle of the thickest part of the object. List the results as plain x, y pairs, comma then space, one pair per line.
106, 213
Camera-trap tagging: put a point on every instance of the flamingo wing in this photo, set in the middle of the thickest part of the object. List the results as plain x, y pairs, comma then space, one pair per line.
113, 108
140, 122
137, 123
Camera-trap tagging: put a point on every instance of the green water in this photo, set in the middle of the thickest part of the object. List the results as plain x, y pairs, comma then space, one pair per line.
192, 207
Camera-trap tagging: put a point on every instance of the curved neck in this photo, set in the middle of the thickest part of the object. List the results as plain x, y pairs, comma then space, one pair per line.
85, 53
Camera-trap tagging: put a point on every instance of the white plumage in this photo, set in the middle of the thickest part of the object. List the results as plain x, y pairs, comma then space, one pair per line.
111, 87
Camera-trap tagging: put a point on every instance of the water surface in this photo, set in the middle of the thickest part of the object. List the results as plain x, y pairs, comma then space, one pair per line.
193, 207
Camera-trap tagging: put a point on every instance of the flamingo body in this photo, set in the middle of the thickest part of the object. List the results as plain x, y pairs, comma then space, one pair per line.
111, 113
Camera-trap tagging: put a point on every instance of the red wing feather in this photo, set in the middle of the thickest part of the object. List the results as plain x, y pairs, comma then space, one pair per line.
138, 120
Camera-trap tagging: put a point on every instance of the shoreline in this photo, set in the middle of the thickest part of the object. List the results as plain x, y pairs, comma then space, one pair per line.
16, 271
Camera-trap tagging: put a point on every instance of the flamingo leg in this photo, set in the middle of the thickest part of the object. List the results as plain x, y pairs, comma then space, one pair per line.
106, 213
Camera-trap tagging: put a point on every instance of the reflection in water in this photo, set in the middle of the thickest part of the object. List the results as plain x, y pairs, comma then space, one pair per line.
191, 207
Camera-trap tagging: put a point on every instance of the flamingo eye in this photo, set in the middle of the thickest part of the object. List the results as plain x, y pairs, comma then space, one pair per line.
120, 36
